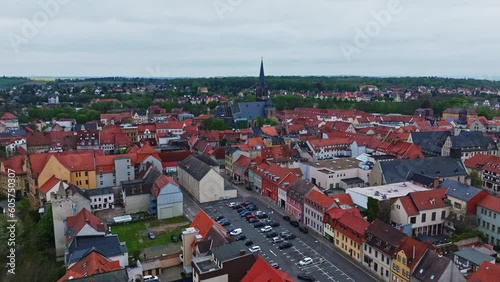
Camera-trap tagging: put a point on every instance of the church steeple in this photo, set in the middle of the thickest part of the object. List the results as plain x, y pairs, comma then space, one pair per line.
261, 92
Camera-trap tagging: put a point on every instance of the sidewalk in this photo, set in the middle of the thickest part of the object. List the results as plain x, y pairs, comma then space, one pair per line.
317, 236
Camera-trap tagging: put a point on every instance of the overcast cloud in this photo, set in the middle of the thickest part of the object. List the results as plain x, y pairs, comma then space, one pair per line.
453, 38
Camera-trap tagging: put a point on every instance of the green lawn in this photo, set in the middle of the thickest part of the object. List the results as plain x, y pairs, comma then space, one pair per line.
135, 233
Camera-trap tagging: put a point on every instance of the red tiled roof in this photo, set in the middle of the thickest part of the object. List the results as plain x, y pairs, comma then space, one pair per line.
74, 224
8, 116
490, 202
319, 198
479, 160
203, 223
91, 264
269, 130
14, 163
486, 273
343, 199
408, 205
329, 142
261, 271
413, 250
253, 142
243, 161
352, 222
429, 199
161, 182
45, 188
492, 166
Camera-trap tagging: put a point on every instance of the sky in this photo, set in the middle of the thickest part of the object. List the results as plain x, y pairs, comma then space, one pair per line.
207, 38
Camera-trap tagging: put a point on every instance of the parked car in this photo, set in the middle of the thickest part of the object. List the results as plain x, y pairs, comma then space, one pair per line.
258, 224
261, 216
222, 219
244, 202
151, 236
288, 236
252, 220
239, 209
259, 212
237, 206
277, 240
254, 249
266, 228
236, 232
294, 223
175, 238
245, 213
249, 216
303, 229
151, 278
306, 277
248, 243
285, 245
252, 208
275, 265
305, 261
271, 234
273, 223
286, 218
224, 222
247, 204
219, 218
241, 237
233, 204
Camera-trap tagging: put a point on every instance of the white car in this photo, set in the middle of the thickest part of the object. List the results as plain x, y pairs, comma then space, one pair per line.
305, 261
266, 228
151, 278
232, 204
254, 249
236, 232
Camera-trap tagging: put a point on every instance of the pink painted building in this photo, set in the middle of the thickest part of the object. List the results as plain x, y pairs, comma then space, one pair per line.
295, 198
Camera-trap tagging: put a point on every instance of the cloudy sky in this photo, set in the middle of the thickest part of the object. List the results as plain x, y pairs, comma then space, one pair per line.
193, 38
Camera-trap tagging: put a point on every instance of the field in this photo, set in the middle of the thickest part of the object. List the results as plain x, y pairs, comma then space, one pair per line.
11, 82
135, 233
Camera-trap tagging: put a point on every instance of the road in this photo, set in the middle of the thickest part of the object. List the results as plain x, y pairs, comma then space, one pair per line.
328, 263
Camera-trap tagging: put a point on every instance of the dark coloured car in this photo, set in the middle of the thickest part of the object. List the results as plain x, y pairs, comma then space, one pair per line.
151, 236
174, 238
240, 209
286, 218
253, 220
248, 243
285, 245
247, 204
238, 206
224, 222
306, 277
245, 213
275, 265
294, 223
272, 234
249, 216
252, 208
244, 202
219, 218
288, 236
241, 237
259, 224
303, 230
273, 223
263, 215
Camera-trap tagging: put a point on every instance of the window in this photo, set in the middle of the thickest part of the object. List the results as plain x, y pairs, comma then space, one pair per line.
423, 217
86, 173
443, 214
413, 220
100, 182
433, 216
457, 205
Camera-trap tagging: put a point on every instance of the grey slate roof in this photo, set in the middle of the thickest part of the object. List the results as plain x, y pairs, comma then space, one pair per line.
430, 141
472, 139
13, 133
299, 189
100, 191
195, 167
421, 179
431, 265
398, 170
108, 246
460, 191
86, 126
473, 255
229, 251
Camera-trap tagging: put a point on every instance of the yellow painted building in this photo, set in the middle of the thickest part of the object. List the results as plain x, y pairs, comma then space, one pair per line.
80, 173
408, 255
349, 235
14, 169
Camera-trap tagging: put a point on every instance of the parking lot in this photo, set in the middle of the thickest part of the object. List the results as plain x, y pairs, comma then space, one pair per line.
288, 259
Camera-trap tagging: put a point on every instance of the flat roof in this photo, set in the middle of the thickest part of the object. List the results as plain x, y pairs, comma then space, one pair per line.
206, 264
353, 180
394, 190
474, 256
334, 164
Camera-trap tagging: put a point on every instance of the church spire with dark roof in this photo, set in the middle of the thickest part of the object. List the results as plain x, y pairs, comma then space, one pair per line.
261, 92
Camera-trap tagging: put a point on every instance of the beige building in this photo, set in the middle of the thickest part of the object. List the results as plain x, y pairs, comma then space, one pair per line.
199, 175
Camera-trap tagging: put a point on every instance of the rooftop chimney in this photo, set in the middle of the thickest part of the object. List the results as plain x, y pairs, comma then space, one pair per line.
242, 252
436, 182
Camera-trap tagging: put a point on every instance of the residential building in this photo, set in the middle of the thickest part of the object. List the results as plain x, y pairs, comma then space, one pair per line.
330, 148
431, 142
101, 198
426, 211
84, 223
111, 170
491, 176
349, 234
275, 182
468, 260
485, 272
469, 143
382, 193
393, 171
454, 113
262, 271
13, 175
462, 198
166, 198
316, 203
229, 262
109, 246
342, 173
135, 193
436, 268
95, 267
295, 197
199, 175
379, 248
10, 120
488, 218
409, 254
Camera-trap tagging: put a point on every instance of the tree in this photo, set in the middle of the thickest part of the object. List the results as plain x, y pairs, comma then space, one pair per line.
372, 209
214, 124
475, 178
